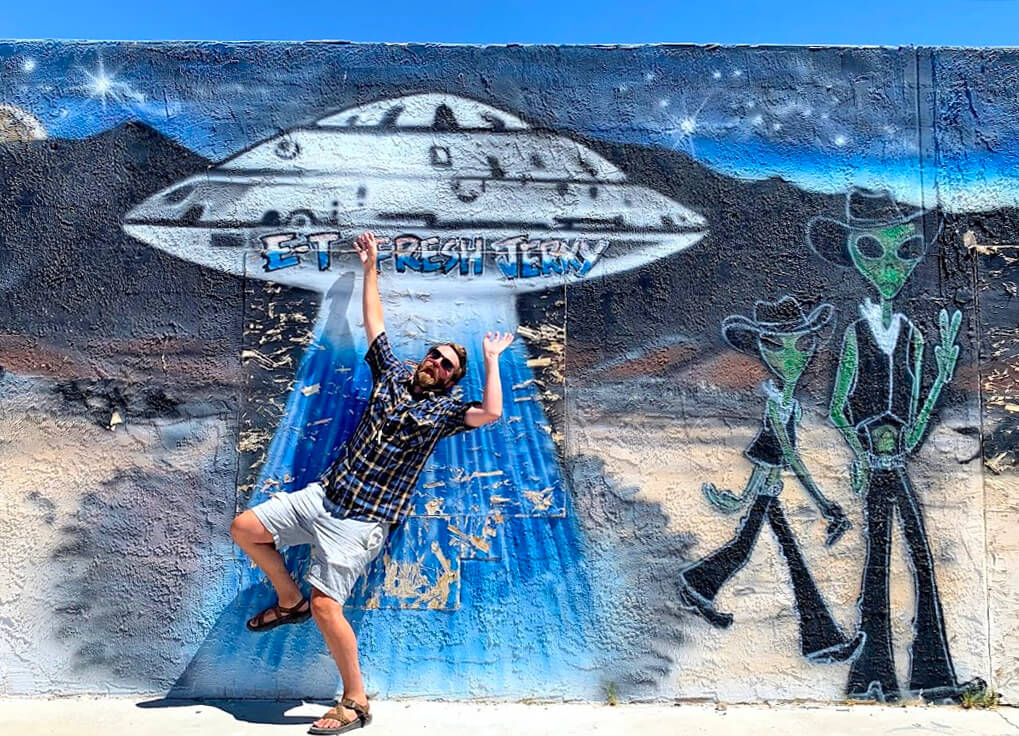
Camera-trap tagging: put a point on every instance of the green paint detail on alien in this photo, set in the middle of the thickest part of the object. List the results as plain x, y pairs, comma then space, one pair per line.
786, 340
946, 354
884, 256
787, 355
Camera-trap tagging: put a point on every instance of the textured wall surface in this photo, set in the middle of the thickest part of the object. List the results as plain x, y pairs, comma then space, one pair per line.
760, 424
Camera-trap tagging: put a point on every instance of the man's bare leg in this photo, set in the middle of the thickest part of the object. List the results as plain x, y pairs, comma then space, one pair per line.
251, 535
342, 643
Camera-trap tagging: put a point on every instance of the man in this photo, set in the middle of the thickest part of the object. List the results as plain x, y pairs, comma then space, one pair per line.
347, 516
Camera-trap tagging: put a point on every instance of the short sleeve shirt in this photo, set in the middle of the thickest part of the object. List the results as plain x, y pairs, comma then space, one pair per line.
375, 475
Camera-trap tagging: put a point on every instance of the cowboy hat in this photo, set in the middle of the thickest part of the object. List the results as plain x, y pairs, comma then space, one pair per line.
784, 317
868, 209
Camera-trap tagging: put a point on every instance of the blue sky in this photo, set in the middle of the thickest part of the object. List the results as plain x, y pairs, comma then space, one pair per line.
934, 22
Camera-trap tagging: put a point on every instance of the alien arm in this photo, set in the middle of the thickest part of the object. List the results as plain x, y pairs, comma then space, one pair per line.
918, 421
845, 379
916, 371
792, 457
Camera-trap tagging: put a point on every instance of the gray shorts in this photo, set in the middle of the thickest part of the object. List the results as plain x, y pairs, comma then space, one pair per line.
341, 549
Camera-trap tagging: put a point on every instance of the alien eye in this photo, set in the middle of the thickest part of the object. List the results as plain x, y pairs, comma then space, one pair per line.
770, 343
869, 246
911, 249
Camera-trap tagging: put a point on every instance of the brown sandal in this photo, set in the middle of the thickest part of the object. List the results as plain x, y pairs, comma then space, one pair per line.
362, 719
284, 615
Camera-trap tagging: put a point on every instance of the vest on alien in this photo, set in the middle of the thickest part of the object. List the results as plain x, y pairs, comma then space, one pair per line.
884, 376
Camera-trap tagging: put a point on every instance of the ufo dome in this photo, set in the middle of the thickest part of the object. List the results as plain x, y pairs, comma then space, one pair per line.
435, 111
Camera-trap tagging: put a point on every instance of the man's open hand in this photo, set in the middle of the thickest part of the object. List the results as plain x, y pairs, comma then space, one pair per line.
368, 249
495, 343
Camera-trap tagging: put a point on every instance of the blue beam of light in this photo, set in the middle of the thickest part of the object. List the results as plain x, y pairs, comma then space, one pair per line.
526, 620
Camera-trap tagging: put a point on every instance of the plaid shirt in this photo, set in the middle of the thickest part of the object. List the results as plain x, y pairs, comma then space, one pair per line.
375, 475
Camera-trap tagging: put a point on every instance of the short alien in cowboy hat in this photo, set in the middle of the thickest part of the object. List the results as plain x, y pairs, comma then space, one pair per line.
876, 406
785, 338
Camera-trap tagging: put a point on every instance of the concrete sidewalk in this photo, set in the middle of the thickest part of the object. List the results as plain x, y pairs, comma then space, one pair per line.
142, 717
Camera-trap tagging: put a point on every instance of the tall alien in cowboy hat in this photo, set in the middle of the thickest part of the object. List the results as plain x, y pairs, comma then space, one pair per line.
785, 339
876, 406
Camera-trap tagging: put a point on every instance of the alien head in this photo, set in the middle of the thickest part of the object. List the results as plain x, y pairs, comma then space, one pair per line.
882, 239
787, 356
886, 256
781, 333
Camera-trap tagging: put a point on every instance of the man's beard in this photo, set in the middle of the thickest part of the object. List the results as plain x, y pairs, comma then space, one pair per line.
427, 378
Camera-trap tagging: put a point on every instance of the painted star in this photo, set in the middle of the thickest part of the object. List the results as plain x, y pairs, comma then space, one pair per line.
104, 86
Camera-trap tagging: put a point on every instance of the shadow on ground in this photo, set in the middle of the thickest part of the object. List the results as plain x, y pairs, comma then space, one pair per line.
272, 712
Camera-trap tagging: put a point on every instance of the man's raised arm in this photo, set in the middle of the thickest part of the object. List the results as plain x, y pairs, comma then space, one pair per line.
491, 401
371, 305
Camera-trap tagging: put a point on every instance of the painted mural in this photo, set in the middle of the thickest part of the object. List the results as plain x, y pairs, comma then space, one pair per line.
754, 289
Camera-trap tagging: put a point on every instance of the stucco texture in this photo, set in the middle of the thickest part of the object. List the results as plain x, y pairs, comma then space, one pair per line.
758, 439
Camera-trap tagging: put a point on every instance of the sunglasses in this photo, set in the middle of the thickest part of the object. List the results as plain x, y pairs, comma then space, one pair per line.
442, 360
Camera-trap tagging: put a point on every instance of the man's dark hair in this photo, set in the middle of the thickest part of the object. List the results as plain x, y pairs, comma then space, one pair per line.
461, 353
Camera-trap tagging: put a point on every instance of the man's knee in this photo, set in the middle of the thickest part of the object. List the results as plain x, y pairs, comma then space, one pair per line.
246, 527
323, 606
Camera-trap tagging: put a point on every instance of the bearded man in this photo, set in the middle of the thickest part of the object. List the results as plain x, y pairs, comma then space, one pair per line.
367, 490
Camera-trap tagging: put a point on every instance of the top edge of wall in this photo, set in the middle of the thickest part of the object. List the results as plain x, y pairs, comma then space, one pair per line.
607, 46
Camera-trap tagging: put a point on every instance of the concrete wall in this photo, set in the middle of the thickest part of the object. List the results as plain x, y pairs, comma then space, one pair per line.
688, 241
